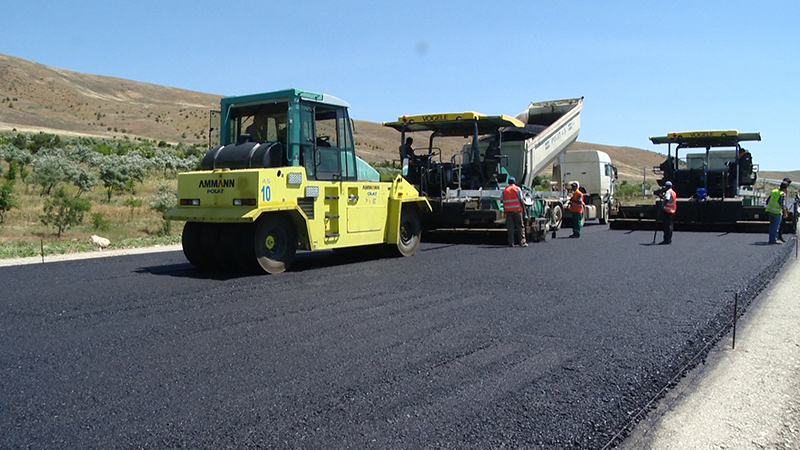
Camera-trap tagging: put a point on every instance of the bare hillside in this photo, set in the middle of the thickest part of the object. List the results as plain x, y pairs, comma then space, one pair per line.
631, 162
38, 97
35, 97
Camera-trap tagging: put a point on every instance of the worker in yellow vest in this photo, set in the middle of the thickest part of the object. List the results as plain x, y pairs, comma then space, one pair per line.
776, 210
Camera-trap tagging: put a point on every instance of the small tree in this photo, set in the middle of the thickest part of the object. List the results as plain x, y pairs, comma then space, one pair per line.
7, 199
50, 168
64, 211
121, 173
163, 202
13, 154
83, 179
11, 175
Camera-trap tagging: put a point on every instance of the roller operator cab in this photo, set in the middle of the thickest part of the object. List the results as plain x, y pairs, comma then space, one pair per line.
286, 177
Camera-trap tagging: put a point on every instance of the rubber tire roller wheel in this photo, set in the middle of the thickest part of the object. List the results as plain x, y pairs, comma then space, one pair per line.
190, 241
275, 243
410, 232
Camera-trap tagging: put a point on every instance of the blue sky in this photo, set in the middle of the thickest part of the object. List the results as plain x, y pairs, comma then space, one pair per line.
645, 68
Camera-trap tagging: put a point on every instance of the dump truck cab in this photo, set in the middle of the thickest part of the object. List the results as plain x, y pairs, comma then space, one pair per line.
285, 177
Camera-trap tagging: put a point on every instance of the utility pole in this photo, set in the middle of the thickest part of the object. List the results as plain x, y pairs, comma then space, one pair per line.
644, 181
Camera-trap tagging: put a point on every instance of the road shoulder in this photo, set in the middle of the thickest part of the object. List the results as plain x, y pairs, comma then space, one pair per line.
97, 254
743, 397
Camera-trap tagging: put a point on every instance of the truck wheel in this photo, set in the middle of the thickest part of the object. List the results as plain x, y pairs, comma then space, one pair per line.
556, 217
604, 215
275, 243
190, 241
410, 232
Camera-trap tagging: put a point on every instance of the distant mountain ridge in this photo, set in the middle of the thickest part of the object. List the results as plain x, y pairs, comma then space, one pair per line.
35, 97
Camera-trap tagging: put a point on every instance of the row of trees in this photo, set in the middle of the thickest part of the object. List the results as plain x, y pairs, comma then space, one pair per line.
63, 170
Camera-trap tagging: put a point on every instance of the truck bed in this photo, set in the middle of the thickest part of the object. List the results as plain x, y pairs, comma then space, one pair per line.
529, 157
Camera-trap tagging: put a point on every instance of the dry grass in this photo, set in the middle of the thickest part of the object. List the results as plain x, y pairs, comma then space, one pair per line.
23, 234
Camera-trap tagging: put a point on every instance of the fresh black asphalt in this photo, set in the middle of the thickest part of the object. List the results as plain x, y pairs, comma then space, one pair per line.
467, 344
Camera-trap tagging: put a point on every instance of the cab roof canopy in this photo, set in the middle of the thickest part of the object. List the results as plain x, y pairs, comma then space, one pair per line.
454, 124
286, 95
718, 138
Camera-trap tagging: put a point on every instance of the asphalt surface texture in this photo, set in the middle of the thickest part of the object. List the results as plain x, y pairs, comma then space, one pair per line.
567, 343
745, 395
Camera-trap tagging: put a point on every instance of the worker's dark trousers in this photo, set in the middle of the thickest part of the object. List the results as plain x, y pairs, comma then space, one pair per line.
514, 227
668, 219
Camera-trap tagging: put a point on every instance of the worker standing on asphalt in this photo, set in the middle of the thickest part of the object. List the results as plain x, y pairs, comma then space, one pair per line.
512, 205
576, 208
788, 182
669, 204
776, 209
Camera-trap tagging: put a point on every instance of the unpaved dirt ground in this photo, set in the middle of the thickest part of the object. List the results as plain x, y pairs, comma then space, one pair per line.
745, 396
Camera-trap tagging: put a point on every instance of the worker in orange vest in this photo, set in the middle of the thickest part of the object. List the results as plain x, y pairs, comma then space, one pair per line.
576, 208
669, 204
512, 206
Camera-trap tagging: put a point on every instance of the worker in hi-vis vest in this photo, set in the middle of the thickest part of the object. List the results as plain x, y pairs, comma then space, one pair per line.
512, 207
776, 209
576, 208
669, 204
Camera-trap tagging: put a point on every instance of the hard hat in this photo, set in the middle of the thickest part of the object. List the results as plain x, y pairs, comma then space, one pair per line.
512, 180
575, 184
668, 184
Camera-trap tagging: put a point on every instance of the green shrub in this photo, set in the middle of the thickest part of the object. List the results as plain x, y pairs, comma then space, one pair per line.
163, 202
132, 203
7, 199
99, 222
64, 211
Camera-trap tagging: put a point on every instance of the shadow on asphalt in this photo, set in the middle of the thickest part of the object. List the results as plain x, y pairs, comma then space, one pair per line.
466, 237
304, 260
187, 270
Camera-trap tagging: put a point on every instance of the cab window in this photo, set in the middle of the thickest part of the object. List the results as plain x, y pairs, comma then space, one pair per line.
328, 152
261, 123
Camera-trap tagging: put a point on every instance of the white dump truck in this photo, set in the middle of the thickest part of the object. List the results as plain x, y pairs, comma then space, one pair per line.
595, 173
554, 126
